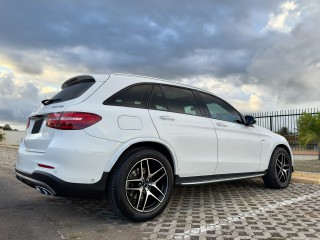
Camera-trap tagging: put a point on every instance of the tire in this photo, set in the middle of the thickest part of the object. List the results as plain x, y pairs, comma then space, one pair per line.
141, 197
279, 171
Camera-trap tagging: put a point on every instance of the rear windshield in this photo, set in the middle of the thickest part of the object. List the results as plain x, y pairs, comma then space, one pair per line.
72, 91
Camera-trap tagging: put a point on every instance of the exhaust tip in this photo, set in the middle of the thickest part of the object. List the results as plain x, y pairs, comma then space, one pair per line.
44, 191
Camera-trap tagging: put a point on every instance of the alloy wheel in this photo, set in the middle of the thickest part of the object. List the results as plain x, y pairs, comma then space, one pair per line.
282, 168
146, 185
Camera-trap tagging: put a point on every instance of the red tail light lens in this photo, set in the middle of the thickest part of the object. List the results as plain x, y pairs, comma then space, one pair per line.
72, 120
28, 123
53, 120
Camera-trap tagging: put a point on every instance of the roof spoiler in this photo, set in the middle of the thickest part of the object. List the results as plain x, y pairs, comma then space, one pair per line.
76, 80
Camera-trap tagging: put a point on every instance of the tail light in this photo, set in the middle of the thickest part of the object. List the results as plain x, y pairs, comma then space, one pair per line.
28, 123
72, 120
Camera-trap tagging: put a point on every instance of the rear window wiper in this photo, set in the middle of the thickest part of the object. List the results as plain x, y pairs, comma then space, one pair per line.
49, 101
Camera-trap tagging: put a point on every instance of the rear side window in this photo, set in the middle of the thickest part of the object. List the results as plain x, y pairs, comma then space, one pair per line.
219, 109
135, 96
158, 101
181, 100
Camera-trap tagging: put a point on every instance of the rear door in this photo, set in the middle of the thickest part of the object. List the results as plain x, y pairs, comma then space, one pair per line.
74, 91
239, 146
177, 117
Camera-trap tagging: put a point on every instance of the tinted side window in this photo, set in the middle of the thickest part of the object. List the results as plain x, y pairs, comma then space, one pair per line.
181, 100
158, 101
219, 109
73, 91
136, 96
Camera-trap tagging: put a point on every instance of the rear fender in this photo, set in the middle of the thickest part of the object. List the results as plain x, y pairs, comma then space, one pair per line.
126, 145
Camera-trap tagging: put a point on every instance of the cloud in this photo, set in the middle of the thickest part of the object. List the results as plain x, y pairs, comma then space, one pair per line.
29, 64
252, 105
223, 46
285, 18
291, 66
138, 38
6, 84
16, 101
246, 98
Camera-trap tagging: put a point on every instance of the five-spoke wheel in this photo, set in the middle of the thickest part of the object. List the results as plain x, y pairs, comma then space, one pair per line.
282, 167
279, 170
146, 185
141, 185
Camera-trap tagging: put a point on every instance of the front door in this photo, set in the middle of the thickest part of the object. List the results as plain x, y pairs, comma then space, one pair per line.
239, 146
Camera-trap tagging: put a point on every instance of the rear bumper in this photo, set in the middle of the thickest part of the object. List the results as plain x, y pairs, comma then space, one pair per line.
51, 185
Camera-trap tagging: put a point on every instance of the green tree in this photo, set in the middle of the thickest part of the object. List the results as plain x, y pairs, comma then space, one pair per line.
7, 127
2, 137
284, 131
309, 129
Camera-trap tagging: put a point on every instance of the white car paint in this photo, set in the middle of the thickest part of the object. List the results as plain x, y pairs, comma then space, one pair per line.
239, 147
193, 139
199, 146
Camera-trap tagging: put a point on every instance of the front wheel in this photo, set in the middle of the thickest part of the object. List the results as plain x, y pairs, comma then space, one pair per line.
279, 171
141, 185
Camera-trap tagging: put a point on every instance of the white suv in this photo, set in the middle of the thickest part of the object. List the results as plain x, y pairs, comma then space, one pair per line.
134, 138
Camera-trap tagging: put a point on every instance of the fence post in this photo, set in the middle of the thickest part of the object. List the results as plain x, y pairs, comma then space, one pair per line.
270, 123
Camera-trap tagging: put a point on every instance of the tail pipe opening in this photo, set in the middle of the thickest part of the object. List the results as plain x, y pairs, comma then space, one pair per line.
44, 190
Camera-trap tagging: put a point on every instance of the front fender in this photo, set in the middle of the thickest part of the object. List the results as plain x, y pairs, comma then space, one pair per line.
268, 148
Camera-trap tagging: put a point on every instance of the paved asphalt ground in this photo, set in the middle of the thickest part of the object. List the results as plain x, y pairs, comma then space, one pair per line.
26, 214
233, 210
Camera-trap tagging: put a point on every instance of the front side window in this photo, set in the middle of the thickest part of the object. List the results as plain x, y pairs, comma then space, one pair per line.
219, 109
135, 96
180, 100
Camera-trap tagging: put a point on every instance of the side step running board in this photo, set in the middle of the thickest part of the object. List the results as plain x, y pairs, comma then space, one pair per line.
216, 178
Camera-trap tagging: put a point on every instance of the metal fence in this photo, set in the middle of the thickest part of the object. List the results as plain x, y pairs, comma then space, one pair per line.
284, 122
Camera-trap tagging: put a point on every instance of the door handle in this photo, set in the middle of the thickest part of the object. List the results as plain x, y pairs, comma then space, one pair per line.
167, 118
219, 124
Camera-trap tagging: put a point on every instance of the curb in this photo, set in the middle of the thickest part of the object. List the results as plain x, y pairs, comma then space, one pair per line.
306, 177
314, 153
9, 146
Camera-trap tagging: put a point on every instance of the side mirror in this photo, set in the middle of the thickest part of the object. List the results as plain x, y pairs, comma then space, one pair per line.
250, 120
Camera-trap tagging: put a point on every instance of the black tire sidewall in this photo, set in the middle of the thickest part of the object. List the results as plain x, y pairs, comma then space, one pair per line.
119, 179
271, 179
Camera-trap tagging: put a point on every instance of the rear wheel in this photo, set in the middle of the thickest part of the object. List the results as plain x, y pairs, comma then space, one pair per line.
280, 169
141, 185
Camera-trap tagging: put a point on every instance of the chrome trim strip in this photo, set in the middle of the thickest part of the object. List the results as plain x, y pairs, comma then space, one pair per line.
222, 180
36, 182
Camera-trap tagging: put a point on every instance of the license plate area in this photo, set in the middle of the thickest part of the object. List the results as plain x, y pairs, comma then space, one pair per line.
37, 126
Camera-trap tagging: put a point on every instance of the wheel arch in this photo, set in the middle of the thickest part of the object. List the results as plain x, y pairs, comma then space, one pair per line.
286, 148
272, 179
156, 144
270, 150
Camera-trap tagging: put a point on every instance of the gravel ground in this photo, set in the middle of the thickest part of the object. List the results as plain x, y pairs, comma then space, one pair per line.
26, 214
233, 210
8, 156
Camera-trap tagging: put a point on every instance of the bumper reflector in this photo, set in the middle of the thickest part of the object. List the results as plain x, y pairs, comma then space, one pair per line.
45, 166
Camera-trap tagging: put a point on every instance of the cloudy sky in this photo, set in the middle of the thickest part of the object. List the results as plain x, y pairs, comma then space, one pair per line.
258, 55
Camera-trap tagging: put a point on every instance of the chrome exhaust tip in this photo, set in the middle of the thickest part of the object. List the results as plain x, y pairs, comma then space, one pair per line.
44, 190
